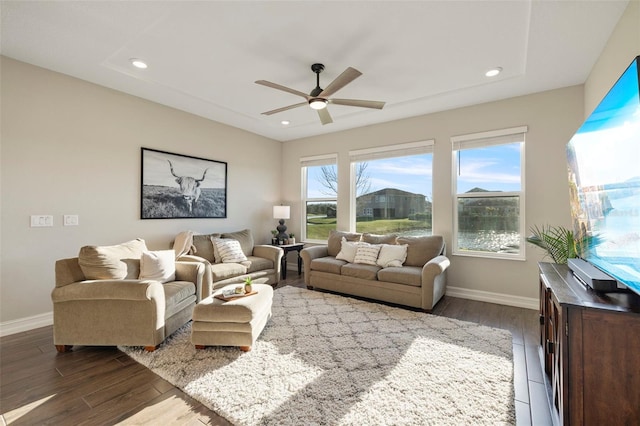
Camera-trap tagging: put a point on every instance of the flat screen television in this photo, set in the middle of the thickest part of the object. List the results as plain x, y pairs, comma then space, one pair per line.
604, 178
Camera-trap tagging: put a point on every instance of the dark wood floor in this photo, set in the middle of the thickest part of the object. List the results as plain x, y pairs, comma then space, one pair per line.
101, 385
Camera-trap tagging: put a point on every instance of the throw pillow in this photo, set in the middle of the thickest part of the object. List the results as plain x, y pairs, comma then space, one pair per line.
216, 255
334, 241
392, 255
367, 253
230, 251
244, 237
348, 251
112, 262
158, 265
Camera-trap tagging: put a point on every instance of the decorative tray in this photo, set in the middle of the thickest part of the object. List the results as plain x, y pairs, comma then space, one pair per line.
230, 295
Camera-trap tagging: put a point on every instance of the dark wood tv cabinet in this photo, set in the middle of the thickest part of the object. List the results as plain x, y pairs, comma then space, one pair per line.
591, 350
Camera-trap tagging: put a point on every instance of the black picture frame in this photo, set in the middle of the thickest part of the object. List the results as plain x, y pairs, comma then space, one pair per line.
176, 186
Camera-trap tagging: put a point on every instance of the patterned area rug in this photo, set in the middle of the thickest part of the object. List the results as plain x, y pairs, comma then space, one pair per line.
325, 359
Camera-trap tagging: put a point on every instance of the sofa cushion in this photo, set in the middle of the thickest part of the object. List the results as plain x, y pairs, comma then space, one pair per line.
327, 264
222, 271
177, 294
367, 253
359, 270
379, 239
254, 264
348, 250
409, 275
203, 247
244, 237
230, 251
392, 255
334, 242
117, 262
420, 250
158, 265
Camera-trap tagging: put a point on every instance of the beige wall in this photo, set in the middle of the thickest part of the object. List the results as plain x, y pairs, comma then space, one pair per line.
71, 147
622, 47
552, 118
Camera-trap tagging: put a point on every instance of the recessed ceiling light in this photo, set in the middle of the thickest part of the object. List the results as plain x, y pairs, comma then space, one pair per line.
285, 122
493, 72
138, 63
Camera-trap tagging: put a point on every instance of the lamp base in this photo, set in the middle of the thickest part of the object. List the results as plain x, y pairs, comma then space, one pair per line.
282, 235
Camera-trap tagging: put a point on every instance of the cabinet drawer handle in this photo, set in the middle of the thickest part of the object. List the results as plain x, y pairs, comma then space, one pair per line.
541, 319
550, 347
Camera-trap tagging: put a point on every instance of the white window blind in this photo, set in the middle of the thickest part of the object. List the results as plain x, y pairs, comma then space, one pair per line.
400, 150
490, 138
319, 160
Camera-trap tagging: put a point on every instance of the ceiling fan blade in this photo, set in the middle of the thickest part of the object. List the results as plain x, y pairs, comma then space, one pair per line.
324, 115
358, 103
342, 80
275, 111
283, 88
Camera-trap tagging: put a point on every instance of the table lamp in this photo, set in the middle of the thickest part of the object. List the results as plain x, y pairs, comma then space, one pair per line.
282, 213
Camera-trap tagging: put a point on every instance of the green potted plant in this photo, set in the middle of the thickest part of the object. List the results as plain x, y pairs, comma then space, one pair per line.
292, 238
274, 240
248, 285
559, 242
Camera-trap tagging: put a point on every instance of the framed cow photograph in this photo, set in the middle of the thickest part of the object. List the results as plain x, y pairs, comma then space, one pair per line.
176, 186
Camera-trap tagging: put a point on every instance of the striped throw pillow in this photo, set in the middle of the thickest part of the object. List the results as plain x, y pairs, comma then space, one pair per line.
367, 253
230, 251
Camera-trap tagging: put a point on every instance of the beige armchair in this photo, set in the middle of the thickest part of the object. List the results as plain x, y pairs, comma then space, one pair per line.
113, 306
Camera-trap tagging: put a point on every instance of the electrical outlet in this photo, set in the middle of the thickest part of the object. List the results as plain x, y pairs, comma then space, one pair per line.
40, 220
70, 220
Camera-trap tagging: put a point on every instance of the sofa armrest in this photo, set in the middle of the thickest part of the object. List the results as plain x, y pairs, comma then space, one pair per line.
308, 254
134, 290
68, 271
206, 288
272, 253
192, 272
434, 281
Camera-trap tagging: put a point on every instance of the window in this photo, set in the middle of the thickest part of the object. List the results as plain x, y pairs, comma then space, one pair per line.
489, 193
319, 196
391, 189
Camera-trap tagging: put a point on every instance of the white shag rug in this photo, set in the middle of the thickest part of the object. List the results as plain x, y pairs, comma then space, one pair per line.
325, 359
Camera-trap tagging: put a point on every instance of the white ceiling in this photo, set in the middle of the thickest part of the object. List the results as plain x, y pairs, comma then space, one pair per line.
419, 56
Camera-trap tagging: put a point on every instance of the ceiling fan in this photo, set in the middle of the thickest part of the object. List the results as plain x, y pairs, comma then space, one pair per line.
318, 99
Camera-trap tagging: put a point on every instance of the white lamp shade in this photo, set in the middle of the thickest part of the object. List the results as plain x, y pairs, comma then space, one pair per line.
281, 212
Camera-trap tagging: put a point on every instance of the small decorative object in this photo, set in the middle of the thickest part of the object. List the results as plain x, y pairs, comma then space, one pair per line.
274, 239
282, 213
292, 238
239, 289
248, 285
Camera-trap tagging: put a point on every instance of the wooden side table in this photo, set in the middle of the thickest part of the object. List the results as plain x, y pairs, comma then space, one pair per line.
287, 248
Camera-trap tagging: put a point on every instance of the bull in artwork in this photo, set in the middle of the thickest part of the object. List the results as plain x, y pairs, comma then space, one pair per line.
189, 187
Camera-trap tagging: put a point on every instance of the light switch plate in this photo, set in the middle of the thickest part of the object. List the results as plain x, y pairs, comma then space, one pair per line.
71, 220
40, 220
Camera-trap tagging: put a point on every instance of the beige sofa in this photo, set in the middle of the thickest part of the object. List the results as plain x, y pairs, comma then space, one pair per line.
104, 297
418, 280
262, 261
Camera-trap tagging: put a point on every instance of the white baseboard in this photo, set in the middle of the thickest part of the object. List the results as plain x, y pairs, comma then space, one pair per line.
500, 299
26, 324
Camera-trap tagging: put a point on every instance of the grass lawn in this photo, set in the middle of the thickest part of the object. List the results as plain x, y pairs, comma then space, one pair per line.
319, 228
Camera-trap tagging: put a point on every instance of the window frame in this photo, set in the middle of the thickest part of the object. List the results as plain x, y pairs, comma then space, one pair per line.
482, 140
380, 153
305, 163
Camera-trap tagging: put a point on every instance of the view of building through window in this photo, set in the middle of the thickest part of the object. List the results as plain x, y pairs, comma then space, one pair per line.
489, 200
393, 195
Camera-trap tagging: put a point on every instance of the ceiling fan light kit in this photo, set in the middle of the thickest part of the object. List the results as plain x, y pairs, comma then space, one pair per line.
318, 99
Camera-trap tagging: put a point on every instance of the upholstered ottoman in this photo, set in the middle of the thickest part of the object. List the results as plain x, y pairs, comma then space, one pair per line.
236, 322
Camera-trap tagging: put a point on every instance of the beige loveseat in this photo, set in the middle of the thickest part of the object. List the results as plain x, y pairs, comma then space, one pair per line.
105, 297
261, 261
379, 270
